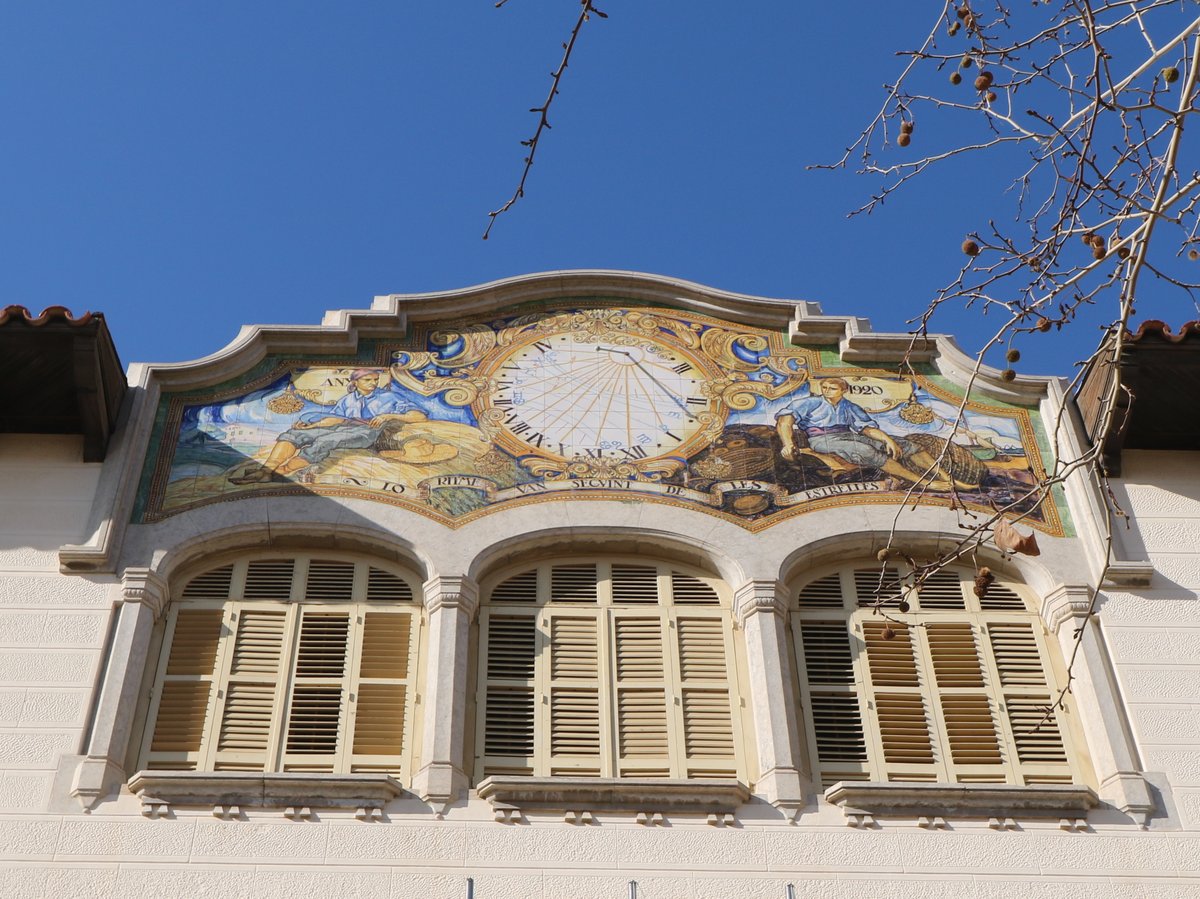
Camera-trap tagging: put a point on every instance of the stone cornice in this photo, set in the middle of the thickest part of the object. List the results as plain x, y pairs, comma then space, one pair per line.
1064, 603
142, 585
756, 596
452, 592
392, 315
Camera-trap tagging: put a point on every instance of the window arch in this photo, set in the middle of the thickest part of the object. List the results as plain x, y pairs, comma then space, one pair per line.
607, 667
302, 663
946, 685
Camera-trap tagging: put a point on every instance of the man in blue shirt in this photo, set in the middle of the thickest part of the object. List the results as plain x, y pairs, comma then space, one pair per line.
352, 423
843, 436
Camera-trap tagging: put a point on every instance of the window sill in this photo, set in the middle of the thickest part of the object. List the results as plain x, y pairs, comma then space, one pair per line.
231, 791
580, 797
932, 802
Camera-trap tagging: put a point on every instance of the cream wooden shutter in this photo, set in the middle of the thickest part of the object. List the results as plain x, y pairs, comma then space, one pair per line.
253, 681
967, 721
184, 694
837, 740
572, 680
708, 724
689, 590
902, 719
963, 697
590, 670
301, 663
381, 690
642, 693
508, 706
1021, 667
316, 712
634, 584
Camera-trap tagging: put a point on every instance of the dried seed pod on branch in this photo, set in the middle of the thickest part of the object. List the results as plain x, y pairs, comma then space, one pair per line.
1082, 109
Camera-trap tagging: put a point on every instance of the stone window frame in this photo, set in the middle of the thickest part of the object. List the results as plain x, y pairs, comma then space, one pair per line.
1067, 611
957, 654
377, 594
110, 748
542, 611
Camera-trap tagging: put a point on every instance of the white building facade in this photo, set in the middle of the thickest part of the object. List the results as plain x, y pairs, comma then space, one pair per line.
570, 585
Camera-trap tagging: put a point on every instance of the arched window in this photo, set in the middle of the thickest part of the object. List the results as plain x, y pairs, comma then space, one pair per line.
956, 688
607, 668
287, 663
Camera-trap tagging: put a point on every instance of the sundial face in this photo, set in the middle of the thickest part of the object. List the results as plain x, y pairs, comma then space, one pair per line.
571, 394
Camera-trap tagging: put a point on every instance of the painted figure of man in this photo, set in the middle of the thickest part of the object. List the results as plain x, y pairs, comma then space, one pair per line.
843, 436
352, 423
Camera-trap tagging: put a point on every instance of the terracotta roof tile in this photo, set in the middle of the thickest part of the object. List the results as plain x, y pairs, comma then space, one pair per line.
49, 314
1159, 330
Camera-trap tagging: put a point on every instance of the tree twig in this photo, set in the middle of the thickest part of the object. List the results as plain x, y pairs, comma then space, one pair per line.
586, 11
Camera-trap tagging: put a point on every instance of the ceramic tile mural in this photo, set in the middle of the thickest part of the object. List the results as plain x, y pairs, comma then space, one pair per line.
594, 402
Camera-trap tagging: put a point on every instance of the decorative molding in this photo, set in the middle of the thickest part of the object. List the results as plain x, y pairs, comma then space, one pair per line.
1128, 573
452, 592
142, 585
936, 801
1129, 792
646, 798
94, 779
297, 794
1064, 603
756, 596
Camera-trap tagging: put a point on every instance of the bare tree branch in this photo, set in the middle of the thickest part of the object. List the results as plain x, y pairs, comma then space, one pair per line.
586, 11
1100, 200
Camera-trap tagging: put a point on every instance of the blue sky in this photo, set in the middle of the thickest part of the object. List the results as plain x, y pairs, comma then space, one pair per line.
187, 168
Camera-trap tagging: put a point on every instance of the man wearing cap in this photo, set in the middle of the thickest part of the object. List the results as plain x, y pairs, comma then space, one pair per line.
843, 436
352, 423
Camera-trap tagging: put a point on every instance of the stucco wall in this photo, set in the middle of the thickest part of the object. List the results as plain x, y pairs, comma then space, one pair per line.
52, 628
1154, 633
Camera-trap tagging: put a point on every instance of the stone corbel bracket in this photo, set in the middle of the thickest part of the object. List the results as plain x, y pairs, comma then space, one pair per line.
932, 804
452, 592
1128, 573
141, 585
760, 596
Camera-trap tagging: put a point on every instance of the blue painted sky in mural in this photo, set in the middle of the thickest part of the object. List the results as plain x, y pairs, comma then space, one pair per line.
188, 168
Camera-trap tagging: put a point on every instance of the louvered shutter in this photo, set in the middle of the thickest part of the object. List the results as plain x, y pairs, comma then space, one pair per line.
689, 590
837, 740
941, 590
634, 584
1030, 722
572, 680
254, 679
964, 696
967, 712
185, 693
316, 712
381, 691
590, 670
300, 664
902, 719
510, 685
642, 694
708, 722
